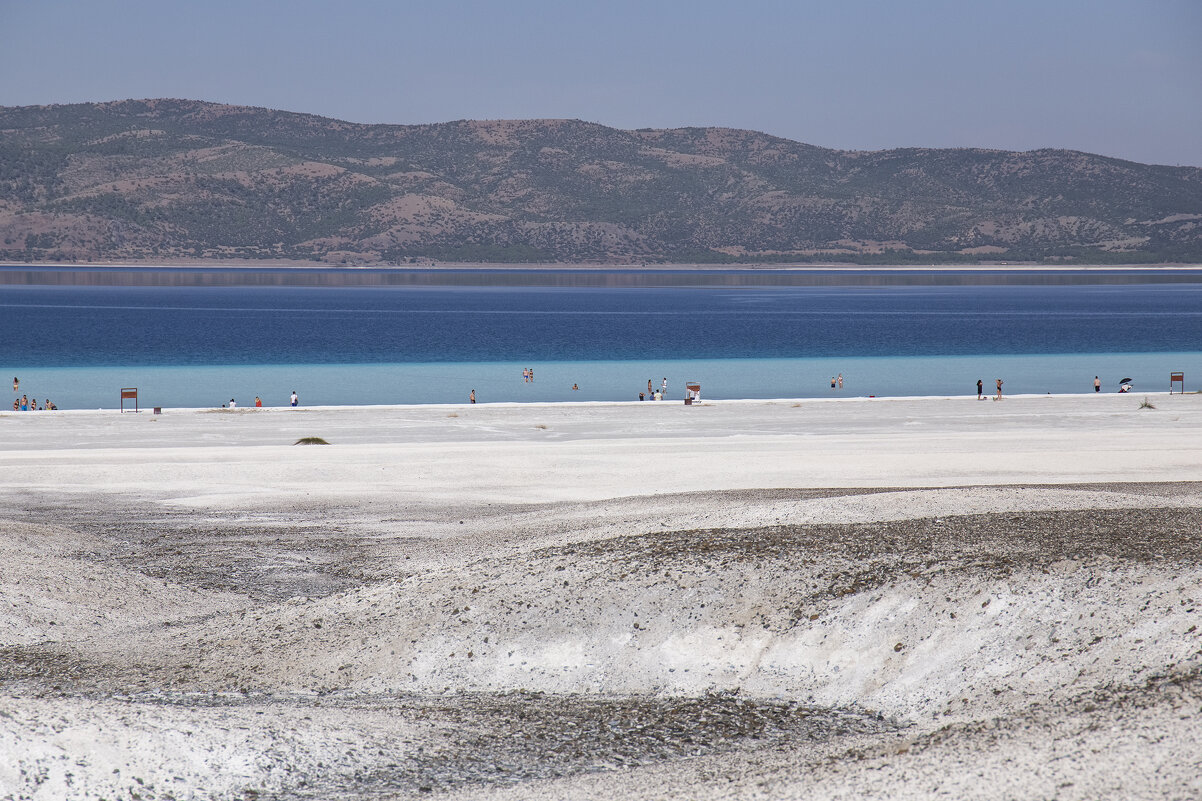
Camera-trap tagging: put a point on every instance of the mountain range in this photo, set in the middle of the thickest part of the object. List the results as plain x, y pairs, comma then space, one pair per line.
178, 180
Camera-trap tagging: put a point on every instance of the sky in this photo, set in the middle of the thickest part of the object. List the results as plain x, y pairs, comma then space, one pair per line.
1120, 78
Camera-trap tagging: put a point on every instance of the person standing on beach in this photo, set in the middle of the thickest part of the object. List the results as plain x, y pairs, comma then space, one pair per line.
840, 380
980, 389
472, 397
16, 383
232, 404
999, 389
525, 375
294, 399
1097, 384
258, 402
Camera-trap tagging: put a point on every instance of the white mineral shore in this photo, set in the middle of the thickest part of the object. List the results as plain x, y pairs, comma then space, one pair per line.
853, 598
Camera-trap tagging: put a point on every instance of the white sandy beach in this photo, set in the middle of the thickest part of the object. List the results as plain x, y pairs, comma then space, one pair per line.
871, 598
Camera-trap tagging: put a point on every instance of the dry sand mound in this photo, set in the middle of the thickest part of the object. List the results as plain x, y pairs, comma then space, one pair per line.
58, 588
788, 644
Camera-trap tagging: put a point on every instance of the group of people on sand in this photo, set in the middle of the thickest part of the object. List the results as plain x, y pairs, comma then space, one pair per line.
981, 390
293, 400
652, 393
1097, 387
24, 404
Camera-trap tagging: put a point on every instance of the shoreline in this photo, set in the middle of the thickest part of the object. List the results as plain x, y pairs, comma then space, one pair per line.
616, 404
270, 264
210, 274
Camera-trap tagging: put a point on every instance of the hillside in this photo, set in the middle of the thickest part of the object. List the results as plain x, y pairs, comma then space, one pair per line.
158, 180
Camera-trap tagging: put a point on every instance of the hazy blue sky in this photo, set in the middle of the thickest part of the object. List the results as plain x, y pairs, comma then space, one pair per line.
1118, 77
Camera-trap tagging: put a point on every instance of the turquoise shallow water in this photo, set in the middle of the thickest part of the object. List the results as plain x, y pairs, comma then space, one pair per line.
327, 384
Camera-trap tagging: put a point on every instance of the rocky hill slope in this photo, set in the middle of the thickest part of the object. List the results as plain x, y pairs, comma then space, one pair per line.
174, 179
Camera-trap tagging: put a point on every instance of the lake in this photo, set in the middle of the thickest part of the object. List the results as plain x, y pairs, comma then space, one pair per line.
889, 334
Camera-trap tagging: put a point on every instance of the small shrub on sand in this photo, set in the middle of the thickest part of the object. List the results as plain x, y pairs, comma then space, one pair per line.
453, 414
540, 425
1146, 404
310, 441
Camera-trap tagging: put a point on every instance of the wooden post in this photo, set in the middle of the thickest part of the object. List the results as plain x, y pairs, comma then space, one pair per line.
130, 393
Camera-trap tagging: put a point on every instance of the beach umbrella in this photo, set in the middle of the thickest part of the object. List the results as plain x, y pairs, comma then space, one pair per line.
1125, 381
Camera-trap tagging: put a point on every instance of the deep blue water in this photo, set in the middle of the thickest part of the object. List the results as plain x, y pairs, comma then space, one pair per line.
583, 332
44, 327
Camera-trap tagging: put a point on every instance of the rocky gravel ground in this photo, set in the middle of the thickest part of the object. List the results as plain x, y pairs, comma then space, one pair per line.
353, 746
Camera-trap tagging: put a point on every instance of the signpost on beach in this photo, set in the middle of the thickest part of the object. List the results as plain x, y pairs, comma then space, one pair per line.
129, 393
1177, 378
